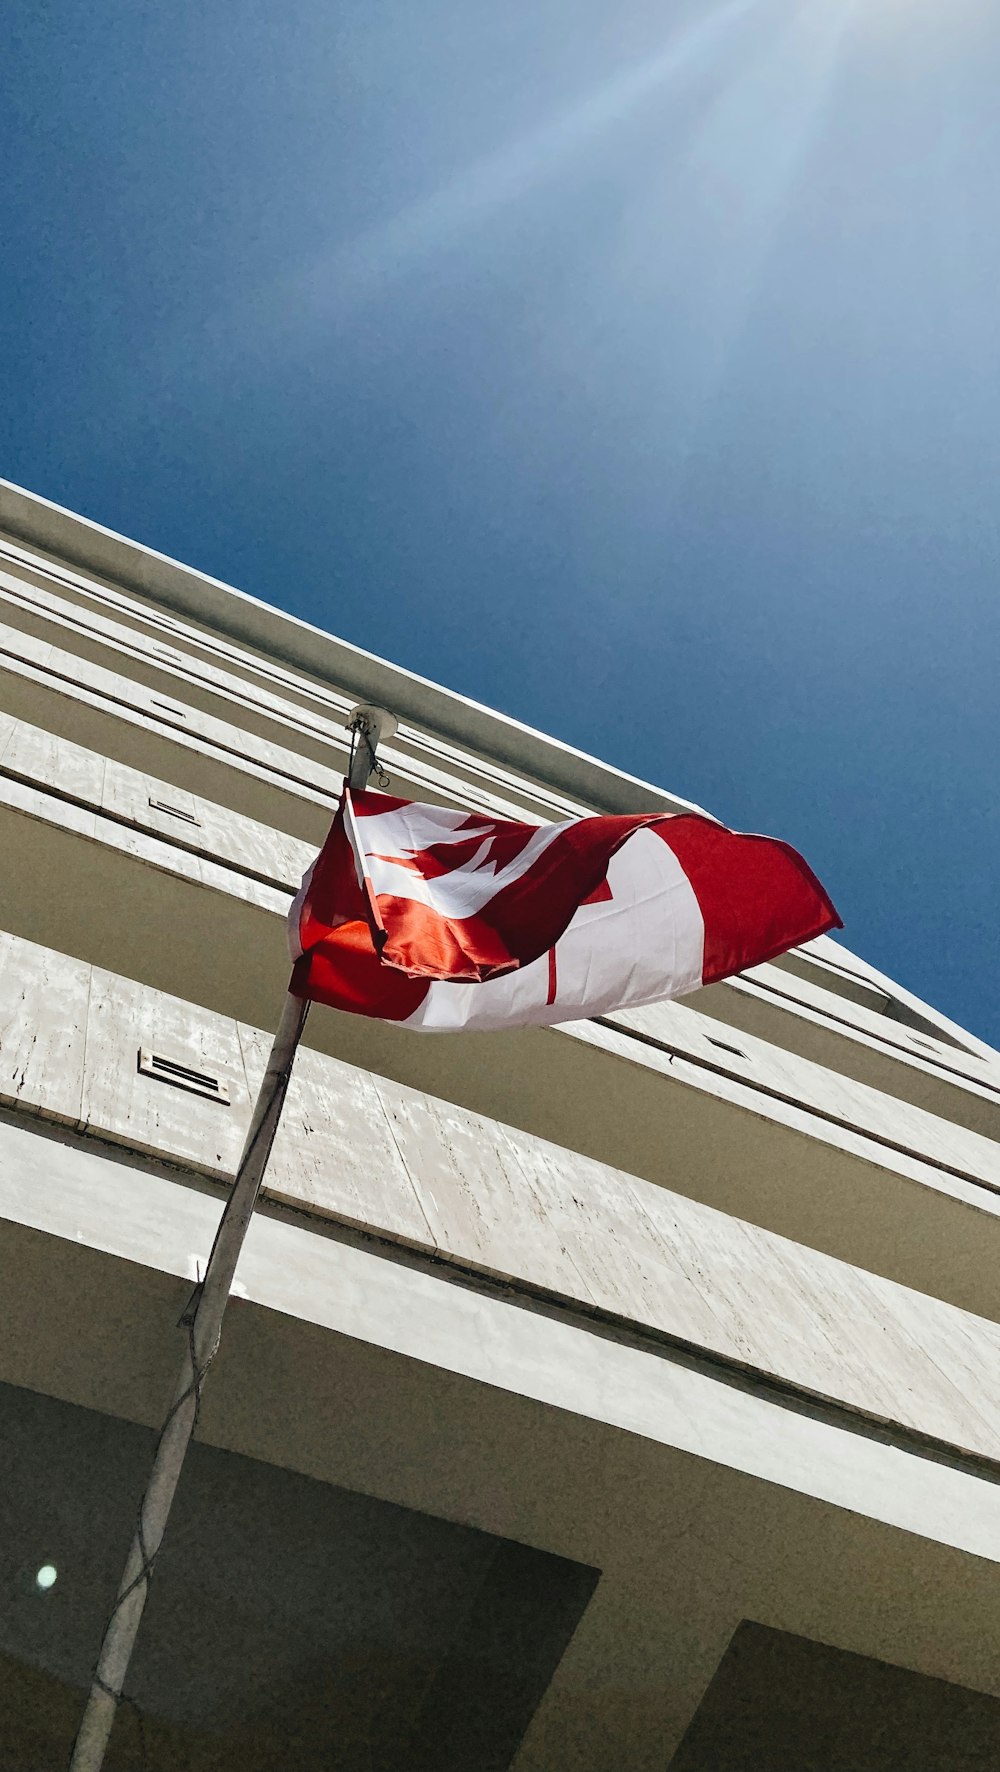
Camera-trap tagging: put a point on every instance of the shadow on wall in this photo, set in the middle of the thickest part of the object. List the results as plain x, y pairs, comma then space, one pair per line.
290, 1623
781, 1703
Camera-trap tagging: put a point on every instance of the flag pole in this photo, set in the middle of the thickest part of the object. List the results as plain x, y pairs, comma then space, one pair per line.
203, 1322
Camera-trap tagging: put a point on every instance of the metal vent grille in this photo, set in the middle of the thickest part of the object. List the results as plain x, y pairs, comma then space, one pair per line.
182, 1076
174, 811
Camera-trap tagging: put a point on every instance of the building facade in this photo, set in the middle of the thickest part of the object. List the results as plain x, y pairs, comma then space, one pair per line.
614, 1397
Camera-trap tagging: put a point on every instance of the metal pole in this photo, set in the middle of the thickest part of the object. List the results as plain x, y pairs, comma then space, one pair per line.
204, 1325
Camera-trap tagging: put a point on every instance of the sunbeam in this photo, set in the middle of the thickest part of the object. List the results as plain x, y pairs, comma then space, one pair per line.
339, 279
698, 227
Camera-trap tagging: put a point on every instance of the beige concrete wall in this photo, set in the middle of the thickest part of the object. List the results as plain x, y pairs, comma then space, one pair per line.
701, 1502
701, 1296
130, 802
362, 1151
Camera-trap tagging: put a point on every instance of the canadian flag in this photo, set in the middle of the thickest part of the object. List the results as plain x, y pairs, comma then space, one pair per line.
443, 920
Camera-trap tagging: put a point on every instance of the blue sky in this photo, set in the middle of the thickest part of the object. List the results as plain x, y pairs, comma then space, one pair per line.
633, 368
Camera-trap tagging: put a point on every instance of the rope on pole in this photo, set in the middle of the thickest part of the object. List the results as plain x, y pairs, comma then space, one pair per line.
203, 1320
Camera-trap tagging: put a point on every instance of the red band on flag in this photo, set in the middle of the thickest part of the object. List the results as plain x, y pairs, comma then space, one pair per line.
753, 891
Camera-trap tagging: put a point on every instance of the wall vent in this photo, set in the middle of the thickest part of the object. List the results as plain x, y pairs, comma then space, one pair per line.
182, 1076
174, 811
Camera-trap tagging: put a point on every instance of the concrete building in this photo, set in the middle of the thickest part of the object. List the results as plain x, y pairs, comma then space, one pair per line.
610, 1398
